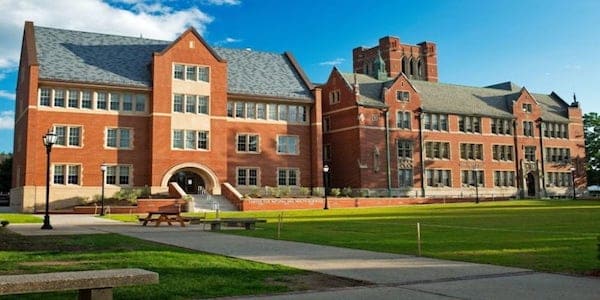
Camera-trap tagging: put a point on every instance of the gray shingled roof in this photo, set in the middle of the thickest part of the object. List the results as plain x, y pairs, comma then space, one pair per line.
87, 57
492, 101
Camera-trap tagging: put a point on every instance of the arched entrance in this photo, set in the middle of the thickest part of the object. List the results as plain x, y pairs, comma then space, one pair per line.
189, 181
192, 176
530, 181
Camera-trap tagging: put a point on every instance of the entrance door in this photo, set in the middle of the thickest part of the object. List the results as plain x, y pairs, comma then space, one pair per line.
190, 182
530, 184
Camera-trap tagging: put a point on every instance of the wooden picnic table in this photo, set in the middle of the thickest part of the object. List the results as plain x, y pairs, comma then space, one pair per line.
164, 216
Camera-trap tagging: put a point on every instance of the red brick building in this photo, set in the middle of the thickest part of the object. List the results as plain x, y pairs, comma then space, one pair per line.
158, 111
390, 127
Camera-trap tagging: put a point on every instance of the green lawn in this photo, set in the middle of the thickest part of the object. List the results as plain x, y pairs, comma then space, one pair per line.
183, 273
20, 218
556, 236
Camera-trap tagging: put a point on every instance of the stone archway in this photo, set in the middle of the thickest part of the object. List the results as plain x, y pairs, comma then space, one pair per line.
192, 176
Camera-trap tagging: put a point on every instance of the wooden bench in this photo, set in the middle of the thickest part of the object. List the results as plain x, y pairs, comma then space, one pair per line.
191, 220
92, 285
248, 223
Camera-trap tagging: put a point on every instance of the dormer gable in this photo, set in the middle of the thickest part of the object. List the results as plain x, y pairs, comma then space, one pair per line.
192, 40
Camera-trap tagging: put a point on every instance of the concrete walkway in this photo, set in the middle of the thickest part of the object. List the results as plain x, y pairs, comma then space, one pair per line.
395, 276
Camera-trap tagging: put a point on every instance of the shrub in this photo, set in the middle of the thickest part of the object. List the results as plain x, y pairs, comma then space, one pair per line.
268, 191
364, 193
4, 223
318, 191
285, 191
347, 191
128, 194
334, 192
255, 192
304, 191
276, 192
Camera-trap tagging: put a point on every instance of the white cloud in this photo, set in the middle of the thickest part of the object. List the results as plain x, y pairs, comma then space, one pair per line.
7, 95
334, 62
149, 19
7, 119
223, 2
227, 40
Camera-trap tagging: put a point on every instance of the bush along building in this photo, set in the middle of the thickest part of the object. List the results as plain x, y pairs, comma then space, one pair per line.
153, 112
391, 128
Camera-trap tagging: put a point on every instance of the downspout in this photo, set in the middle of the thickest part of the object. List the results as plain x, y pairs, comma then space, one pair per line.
543, 159
517, 169
386, 112
421, 142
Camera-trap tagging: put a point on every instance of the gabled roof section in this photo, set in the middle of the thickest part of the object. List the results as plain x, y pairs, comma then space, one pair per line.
370, 89
87, 57
554, 109
507, 86
263, 74
199, 37
76, 56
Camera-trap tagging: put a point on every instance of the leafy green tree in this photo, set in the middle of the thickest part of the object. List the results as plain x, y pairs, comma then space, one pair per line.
6, 174
591, 124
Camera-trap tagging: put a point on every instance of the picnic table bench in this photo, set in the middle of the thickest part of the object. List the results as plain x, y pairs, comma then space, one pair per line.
92, 285
167, 216
248, 223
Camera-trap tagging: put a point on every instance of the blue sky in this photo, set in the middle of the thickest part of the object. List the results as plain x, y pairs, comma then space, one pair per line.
543, 45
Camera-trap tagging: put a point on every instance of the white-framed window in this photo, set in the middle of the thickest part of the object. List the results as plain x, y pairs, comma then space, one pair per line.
178, 71
115, 101
403, 119
73, 101
504, 178
555, 130
118, 175
502, 126
86, 99
469, 124
250, 110
247, 176
559, 179
191, 73
68, 136
127, 102
45, 96
502, 152
59, 98
66, 174
437, 150
101, 100
288, 177
140, 103
204, 74
435, 121
287, 144
472, 177
248, 143
178, 103
471, 151
528, 128
558, 155
240, 109
190, 139
272, 114
403, 96
529, 153
119, 138
527, 107
261, 111
203, 103
190, 104
438, 178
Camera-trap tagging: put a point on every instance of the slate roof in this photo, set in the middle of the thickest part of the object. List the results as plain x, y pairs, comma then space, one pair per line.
493, 101
97, 58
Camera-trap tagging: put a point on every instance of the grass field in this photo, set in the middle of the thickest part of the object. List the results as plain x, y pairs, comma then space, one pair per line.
555, 236
184, 274
20, 218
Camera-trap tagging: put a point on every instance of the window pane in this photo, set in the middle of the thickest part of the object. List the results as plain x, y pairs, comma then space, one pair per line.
125, 139
292, 177
252, 177
73, 175
190, 104
282, 177
101, 101
240, 110
190, 73
203, 104
178, 103
73, 98
86, 99
272, 111
111, 175
140, 103
74, 136
59, 98
115, 101
111, 138
59, 174
261, 111
127, 102
178, 71
253, 143
282, 112
229, 109
60, 132
251, 110
204, 74
242, 177
241, 143
123, 174
178, 139
203, 140
293, 113
45, 97
190, 139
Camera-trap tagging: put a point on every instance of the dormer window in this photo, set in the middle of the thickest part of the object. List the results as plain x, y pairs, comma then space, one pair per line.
527, 108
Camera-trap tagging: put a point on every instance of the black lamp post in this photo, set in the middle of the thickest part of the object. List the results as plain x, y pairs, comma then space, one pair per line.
103, 169
573, 182
49, 140
476, 186
325, 183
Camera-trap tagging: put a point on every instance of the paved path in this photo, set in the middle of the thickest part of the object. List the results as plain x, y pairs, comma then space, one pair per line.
395, 276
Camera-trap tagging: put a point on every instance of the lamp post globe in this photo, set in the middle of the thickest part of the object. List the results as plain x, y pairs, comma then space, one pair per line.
325, 184
49, 140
